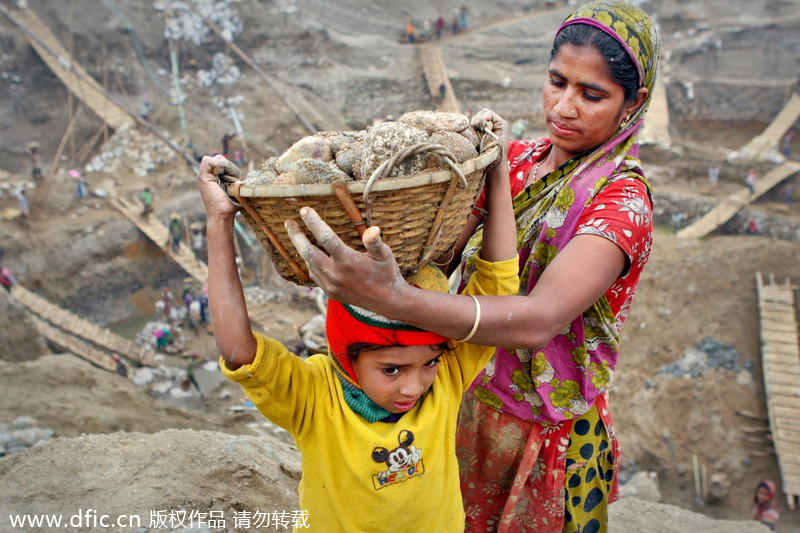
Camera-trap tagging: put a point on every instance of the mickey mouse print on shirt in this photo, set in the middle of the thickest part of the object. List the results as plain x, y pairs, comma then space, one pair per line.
404, 462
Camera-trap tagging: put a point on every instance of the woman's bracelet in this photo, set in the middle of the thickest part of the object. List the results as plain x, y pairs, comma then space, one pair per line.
477, 320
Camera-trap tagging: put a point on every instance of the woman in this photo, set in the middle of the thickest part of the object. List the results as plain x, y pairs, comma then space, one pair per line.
535, 441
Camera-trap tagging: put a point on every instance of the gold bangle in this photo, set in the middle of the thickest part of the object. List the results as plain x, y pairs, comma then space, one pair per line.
477, 320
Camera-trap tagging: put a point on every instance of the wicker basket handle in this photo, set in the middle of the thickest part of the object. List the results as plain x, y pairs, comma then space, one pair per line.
387, 166
230, 174
488, 141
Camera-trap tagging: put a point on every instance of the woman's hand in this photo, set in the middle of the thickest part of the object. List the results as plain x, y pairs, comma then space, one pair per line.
214, 198
368, 279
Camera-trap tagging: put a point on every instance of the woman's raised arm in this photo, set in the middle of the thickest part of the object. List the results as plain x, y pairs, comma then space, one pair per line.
576, 278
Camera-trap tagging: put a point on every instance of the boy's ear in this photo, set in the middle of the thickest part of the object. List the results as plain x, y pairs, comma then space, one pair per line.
379, 455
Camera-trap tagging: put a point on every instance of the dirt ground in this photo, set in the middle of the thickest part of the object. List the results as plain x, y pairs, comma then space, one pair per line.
87, 257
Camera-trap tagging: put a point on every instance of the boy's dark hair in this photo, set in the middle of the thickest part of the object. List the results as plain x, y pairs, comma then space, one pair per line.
620, 64
357, 348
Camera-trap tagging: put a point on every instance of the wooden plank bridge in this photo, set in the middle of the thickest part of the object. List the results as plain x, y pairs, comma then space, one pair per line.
766, 144
159, 234
656, 123
430, 55
61, 62
196, 268
727, 208
81, 337
780, 355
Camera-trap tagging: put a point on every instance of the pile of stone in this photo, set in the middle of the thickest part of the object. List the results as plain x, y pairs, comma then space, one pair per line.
223, 71
21, 435
707, 355
170, 382
185, 20
354, 155
131, 149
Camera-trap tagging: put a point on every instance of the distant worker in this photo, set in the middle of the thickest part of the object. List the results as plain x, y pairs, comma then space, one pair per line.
752, 226
442, 91
787, 144
197, 231
188, 300
147, 200
195, 317
175, 231
439, 27
713, 175
122, 370
427, 30
226, 143
204, 306
190, 373
7, 279
751, 180
765, 510
677, 220
518, 129
456, 24
24, 207
83, 188
36, 161
161, 340
410, 31
166, 297
144, 111
164, 338
463, 18
239, 159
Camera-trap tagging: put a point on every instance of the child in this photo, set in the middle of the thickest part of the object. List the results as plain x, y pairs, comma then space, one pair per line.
375, 419
765, 509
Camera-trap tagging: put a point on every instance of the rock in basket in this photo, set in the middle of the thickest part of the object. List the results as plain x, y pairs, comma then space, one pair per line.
420, 215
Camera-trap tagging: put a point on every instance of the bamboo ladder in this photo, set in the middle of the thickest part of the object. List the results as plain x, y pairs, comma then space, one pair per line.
780, 355
727, 208
656, 124
260, 313
159, 234
73, 75
430, 55
66, 329
768, 141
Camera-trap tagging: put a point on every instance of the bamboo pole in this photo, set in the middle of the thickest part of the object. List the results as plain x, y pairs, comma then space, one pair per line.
71, 47
84, 150
704, 482
67, 134
696, 474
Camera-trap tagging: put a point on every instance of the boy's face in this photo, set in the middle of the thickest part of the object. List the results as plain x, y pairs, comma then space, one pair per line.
396, 377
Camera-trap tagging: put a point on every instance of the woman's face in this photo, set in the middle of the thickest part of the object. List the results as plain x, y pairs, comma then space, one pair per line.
583, 105
762, 495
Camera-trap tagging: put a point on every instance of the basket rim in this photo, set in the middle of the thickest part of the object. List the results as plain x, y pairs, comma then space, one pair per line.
325, 189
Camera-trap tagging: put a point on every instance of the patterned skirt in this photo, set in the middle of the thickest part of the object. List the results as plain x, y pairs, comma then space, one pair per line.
518, 475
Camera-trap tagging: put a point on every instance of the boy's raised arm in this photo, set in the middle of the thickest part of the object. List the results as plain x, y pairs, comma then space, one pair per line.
499, 230
226, 302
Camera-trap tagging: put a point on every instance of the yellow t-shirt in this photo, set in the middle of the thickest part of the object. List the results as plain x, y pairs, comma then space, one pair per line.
372, 477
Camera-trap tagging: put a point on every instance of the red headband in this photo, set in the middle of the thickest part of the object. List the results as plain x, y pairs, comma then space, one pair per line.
347, 324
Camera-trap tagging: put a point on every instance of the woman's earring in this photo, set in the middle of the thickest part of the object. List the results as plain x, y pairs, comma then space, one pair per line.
624, 122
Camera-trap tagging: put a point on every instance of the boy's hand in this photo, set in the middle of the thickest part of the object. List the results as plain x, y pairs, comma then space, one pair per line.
214, 198
486, 119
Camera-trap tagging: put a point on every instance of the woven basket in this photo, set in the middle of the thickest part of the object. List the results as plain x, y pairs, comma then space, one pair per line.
421, 216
